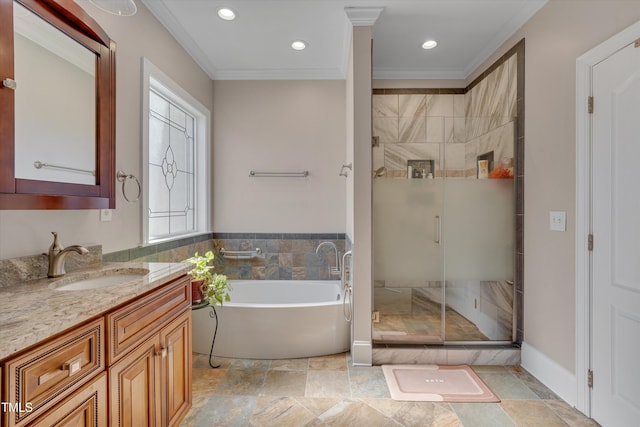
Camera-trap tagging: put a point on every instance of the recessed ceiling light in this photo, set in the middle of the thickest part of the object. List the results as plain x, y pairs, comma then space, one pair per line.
429, 44
227, 14
299, 45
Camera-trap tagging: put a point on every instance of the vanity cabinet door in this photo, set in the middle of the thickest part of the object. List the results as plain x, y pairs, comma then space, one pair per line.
131, 324
175, 339
86, 408
39, 379
134, 387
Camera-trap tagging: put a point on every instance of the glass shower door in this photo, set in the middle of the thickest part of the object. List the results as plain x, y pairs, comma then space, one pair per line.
479, 260
479, 240
408, 261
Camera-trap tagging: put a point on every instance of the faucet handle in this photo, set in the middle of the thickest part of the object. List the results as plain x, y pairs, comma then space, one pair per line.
55, 246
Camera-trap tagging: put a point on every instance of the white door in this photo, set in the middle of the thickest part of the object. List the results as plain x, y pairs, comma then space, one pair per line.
615, 398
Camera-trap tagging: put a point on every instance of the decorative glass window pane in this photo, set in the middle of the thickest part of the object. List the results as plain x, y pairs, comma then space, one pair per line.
171, 168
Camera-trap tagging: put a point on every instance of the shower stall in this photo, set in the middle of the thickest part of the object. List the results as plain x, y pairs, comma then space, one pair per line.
443, 221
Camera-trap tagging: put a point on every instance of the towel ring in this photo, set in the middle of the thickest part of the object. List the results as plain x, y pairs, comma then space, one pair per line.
123, 177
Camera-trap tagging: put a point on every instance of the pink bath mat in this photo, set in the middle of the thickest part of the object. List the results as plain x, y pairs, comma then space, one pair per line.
436, 383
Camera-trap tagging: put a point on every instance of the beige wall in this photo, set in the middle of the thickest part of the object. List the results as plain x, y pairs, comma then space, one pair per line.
28, 232
559, 33
360, 180
281, 126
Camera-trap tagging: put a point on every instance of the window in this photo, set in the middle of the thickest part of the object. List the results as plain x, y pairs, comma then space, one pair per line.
175, 149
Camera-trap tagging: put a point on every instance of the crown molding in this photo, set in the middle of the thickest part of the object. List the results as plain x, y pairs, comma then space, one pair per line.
281, 74
169, 22
415, 74
363, 16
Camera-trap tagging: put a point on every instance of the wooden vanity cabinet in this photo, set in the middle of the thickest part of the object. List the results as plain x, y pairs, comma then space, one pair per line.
129, 367
39, 379
85, 408
150, 358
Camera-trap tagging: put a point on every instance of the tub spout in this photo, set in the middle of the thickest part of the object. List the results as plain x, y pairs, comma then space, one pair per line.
332, 270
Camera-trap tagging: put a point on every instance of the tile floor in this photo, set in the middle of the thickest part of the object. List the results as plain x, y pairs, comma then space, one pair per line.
328, 391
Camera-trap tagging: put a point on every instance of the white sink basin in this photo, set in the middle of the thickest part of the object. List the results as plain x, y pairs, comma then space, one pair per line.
100, 279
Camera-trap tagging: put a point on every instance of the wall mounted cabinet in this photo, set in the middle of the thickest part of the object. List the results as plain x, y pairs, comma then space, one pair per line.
29, 141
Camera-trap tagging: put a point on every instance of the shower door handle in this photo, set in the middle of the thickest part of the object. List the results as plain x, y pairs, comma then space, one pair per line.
438, 230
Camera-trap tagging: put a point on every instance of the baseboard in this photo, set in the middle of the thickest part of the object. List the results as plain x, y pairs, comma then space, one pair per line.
555, 377
361, 353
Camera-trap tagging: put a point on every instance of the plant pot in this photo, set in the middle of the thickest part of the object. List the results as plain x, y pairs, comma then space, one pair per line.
197, 291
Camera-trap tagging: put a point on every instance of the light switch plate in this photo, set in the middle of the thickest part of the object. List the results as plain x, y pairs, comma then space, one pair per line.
557, 221
106, 214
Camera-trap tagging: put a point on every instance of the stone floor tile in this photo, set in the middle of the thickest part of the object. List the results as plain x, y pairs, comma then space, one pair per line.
247, 382
328, 384
532, 382
290, 364
249, 363
280, 412
532, 413
317, 405
225, 411
206, 380
284, 383
333, 393
569, 415
368, 382
334, 362
349, 413
388, 407
484, 415
507, 386
427, 414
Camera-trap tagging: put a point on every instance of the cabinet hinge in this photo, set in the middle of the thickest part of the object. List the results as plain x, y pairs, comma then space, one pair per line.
590, 378
590, 242
590, 105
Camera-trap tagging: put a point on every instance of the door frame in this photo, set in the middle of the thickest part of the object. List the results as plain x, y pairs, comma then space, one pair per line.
584, 66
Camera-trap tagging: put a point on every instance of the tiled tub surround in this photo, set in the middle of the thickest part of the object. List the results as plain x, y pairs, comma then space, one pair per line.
31, 311
284, 256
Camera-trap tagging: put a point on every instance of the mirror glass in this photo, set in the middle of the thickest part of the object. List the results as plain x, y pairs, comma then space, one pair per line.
55, 103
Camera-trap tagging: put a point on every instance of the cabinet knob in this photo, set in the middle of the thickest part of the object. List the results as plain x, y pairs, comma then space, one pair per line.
73, 366
162, 352
10, 84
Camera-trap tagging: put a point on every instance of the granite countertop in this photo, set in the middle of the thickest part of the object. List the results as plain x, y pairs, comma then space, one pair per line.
32, 311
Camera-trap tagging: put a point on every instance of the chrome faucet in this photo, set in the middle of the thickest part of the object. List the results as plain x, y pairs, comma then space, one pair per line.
57, 255
336, 269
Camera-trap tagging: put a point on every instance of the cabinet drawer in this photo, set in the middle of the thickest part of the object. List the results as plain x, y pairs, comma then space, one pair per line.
46, 375
133, 323
87, 407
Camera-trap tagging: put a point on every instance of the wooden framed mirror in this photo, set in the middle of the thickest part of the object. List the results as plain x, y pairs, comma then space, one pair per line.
57, 107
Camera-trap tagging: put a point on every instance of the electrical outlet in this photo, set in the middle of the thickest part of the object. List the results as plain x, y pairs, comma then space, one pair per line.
557, 221
106, 214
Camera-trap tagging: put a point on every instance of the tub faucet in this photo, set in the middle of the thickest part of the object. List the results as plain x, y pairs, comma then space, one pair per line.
58, 254
332, 270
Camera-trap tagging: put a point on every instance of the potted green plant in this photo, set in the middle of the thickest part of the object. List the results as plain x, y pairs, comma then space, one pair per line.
205, 283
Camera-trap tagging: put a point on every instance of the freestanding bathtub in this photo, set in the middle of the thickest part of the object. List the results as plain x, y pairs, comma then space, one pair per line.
276, 319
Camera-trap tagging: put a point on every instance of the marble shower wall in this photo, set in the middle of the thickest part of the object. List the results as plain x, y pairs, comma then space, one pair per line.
450, 128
